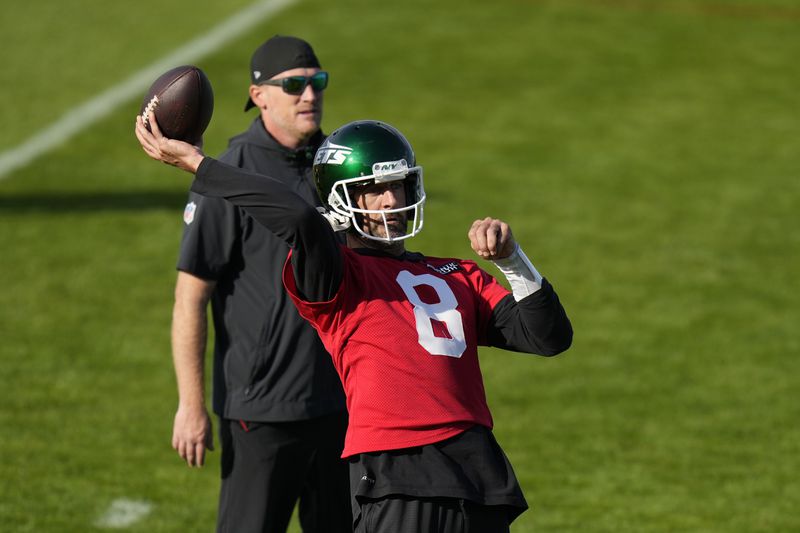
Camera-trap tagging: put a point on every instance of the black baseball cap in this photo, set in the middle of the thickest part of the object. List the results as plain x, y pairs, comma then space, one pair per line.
278, 54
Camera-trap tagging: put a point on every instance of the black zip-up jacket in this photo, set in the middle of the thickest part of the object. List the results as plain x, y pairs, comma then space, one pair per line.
269, 364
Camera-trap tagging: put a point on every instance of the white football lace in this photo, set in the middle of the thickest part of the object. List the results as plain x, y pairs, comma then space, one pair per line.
151, 105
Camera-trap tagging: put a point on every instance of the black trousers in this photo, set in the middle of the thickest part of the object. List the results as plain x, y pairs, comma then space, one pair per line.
404, 514
268, 467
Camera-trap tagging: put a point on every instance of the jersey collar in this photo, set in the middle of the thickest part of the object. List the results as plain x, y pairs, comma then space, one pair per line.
414, 257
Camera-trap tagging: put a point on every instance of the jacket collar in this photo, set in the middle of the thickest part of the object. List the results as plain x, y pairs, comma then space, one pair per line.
301, 156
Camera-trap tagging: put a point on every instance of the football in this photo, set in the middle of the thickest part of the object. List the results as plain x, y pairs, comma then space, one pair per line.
182, 101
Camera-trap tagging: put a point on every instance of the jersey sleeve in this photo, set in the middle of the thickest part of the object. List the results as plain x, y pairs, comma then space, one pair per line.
536, 324
488, 293
316, 257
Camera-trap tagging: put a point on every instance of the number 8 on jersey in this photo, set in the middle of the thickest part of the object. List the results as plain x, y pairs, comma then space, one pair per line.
443, 311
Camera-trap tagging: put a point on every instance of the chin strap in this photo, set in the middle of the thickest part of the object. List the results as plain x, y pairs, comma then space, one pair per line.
520, 273
337, 221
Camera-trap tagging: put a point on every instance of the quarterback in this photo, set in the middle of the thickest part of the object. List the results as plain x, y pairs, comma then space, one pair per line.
403, 328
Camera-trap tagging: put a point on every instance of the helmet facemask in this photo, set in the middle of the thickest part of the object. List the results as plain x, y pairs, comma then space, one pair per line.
342, 199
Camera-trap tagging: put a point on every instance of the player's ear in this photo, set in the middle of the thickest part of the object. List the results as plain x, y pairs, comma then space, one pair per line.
258, 96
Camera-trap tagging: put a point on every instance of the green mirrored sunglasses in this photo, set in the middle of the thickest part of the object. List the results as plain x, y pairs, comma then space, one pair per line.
297, 84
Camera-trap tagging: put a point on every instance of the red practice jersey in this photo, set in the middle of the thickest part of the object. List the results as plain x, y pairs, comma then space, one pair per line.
404, 337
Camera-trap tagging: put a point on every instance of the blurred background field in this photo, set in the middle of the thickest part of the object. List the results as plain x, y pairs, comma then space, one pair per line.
645, 152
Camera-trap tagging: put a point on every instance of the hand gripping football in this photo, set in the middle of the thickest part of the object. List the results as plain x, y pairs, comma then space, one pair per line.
182, 101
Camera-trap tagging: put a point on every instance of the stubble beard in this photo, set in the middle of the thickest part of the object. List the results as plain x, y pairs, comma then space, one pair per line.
376, 228
395, 228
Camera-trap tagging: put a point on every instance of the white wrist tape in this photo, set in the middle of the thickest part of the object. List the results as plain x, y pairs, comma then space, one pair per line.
520, 273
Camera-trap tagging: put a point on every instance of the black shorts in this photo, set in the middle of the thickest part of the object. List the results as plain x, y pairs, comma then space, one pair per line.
268, 467
404, 514
468, 471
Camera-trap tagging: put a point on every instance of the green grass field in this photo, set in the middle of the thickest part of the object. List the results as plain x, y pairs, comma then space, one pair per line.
645, 152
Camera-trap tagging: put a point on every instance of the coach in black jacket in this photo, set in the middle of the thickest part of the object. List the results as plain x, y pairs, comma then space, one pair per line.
279, 400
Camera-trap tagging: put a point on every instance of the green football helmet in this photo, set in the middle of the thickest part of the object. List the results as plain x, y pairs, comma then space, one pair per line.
363, 153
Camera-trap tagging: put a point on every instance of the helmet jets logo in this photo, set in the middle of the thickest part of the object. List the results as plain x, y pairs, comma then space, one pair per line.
332, 154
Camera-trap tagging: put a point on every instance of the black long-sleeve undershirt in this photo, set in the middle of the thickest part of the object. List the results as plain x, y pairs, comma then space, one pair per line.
536, 324
316, 258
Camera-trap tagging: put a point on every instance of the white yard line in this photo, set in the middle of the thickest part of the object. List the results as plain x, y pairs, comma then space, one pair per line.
123, 513
89, 112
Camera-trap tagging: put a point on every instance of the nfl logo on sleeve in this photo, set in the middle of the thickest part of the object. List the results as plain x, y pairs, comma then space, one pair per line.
188, 213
